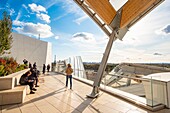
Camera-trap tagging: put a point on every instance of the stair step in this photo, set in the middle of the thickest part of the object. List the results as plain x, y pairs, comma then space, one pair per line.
13, 96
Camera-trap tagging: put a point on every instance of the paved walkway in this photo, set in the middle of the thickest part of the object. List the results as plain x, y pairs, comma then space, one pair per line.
53, 97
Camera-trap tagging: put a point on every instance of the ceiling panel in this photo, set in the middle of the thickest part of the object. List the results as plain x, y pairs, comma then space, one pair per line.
134, 8
103, 8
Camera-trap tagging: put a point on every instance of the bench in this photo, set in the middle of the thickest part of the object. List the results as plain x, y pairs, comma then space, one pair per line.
10, 90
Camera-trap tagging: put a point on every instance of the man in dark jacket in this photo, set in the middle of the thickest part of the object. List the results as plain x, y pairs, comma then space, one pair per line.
44, 67
26, 80
34, 76
48, 67
34, 65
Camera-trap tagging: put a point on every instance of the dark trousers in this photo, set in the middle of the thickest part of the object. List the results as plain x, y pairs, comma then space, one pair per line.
31, 84
43, 71
36, 81
69, 77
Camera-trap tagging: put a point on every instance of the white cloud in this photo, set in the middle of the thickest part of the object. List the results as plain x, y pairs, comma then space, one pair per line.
44, 17
23, 5
18, 16
33, 29
7, 8
71, 7
56, 37
157, 52
37, 8
129, 55
11, 11
28, 16
18, 23
7, 5
83, 37
41, 12
26, 8
68, 5
81, 19
88, 46
50, 3
162, 47
164, 31
59, 17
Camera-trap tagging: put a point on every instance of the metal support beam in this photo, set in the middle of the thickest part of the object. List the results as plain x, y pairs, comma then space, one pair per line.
92, 15
102, 67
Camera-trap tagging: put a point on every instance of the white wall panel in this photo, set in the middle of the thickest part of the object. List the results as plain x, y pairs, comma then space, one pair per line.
32, 49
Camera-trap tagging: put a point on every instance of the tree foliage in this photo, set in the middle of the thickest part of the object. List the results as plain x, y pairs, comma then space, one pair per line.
8, 65
95, 66
5, 33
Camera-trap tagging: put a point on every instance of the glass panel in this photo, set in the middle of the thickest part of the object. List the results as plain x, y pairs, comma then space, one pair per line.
127, 80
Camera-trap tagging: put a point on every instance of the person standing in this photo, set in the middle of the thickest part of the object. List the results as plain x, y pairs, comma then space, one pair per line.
44, 67
69, 72
30, 65
34, 65
25, 61
48, 67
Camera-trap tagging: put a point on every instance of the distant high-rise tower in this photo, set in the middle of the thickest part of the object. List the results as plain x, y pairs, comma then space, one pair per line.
39, 36
54, 58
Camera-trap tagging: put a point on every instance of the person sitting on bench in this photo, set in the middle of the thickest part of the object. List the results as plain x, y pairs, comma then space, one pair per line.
34, 76
26, 80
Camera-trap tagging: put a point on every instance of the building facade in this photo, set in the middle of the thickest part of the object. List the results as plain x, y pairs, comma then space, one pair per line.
31, 49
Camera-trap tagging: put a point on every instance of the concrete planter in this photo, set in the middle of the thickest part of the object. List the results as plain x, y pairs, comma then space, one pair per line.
10, 90
12, 80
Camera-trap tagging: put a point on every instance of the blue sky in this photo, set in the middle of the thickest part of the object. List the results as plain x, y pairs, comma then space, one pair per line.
73, 33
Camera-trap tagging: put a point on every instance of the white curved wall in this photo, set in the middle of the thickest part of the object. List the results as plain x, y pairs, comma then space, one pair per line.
77, 65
